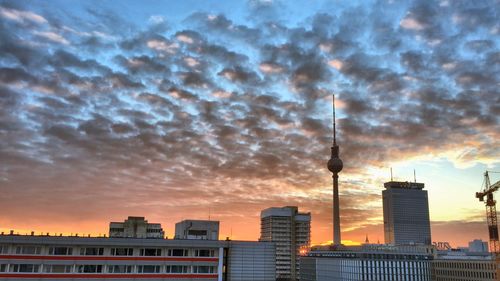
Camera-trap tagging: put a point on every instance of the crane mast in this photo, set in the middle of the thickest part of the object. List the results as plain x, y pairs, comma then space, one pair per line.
491, 212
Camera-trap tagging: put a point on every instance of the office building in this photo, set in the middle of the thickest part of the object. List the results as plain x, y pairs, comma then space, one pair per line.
197, 229
64, 258
290, 230
406, 213
368, 262
135, 227
396, 262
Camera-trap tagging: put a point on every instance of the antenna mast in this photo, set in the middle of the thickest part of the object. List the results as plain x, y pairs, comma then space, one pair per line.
334, 122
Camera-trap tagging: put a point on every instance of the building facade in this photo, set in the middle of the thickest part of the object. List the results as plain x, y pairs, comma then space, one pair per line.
464, 269
197, 229
135, 227
368, 262
406, 213
70, 258
291, 231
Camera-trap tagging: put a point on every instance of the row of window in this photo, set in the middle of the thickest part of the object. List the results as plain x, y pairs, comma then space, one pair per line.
466, 265
97, 268
440, 273
118, 251
121, 229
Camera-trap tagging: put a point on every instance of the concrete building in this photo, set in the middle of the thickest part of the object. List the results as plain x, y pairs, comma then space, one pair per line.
135, 227
468, 264
368, 262
290, 230
464, 269
62, 258
406, 213
478, 246
197, 229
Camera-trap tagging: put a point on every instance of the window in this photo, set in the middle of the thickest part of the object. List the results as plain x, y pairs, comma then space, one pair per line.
115, 229
178, 252
4, 249
176, 269
204, 269
122, 251
88, 268
195, 232
3, 267
150, 252
148, 269
204, 253
91, 251
60, 251
28, 250
120, 268
57, 268
24, 267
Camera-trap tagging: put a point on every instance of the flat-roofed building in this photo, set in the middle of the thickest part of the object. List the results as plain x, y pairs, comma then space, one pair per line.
464, 268
63, 258
368, 262
472, 264
135, 227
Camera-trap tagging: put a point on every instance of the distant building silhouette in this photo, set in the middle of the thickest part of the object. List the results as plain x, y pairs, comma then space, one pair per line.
478, 246
406, 213
135, 227
290, 230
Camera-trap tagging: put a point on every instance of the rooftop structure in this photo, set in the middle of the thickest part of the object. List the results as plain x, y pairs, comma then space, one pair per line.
197, 229
135, 227
404, 185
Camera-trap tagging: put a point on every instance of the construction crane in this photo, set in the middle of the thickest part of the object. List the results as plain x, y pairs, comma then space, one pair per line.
491, 211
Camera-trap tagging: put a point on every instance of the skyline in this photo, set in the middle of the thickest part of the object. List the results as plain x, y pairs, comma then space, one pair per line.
176, 111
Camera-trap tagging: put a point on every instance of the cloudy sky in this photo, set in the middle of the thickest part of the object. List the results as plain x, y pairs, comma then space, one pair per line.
180, 109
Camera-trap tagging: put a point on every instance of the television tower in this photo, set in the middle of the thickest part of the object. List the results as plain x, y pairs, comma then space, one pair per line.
335, 165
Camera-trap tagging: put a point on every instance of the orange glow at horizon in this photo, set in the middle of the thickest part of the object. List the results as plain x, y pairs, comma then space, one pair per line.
456, 234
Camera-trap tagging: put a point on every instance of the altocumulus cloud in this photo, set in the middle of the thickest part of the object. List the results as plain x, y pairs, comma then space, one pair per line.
104, 117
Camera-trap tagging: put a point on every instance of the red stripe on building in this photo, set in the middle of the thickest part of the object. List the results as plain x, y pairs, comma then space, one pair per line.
101, 258
105, 276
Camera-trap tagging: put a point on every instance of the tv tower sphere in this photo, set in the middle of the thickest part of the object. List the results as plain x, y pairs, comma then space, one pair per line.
335, 165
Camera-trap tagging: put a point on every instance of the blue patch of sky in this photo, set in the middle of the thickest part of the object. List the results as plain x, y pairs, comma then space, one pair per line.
30, 101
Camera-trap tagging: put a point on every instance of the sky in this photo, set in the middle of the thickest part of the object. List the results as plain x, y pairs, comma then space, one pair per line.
191, 109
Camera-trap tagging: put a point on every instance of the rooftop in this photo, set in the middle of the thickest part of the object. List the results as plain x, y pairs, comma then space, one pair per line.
403, 185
